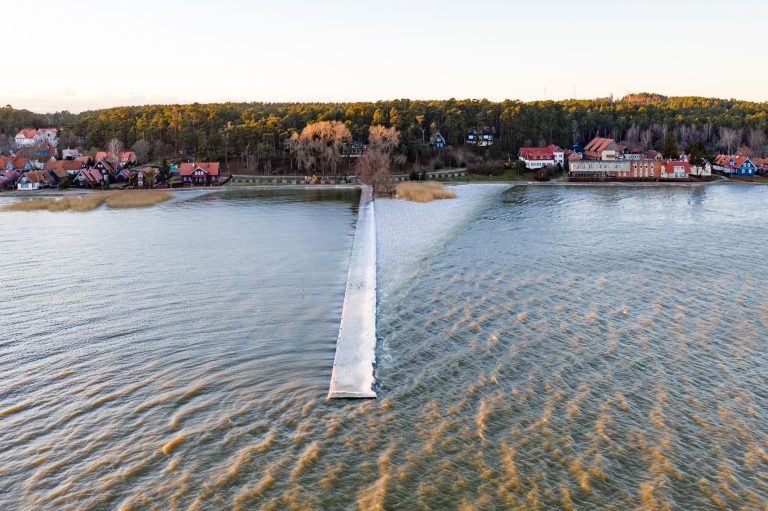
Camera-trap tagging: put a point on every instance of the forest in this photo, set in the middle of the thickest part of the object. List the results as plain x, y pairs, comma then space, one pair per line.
256, 136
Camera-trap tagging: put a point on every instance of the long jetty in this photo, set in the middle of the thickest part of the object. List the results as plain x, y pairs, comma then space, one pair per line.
352, 375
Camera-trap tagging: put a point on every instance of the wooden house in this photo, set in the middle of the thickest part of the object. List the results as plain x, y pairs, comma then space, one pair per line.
199, 174
437, 140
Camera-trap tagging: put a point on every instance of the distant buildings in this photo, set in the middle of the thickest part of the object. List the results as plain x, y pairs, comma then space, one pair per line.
437, 140
479, 137
29, 137
539, 157
601, 149
734, 165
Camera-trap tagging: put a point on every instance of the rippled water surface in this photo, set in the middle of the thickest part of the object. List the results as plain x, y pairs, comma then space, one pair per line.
566, 348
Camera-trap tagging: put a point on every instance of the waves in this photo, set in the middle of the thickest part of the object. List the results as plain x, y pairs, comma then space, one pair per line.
536, 361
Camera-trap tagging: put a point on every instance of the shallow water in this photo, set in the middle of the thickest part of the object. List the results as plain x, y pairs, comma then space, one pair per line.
568, 348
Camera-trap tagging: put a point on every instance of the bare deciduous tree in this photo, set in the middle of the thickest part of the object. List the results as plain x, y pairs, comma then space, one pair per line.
374, 165
141, 148
373, 168
318, 147
115, 147
729, 139
756, 141
383, 139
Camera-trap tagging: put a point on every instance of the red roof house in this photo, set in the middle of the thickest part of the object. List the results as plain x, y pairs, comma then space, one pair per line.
199, 174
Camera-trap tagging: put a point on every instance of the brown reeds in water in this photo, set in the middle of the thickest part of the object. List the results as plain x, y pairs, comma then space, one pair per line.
87, 202
423, 192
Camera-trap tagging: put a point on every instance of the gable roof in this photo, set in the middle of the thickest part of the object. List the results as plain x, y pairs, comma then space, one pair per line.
724, 160
210, 168
598, 145
37, 176
27, 133
62, 167
537, 153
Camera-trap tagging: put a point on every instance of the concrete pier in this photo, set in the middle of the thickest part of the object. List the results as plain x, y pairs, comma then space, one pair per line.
356, 344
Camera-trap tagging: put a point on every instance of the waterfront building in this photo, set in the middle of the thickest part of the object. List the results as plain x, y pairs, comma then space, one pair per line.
88, 177
539, 157
33, 180
63, 169
675, 169
199, 174
600, 169
735, 165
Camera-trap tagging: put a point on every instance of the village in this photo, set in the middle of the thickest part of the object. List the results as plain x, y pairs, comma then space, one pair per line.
603, 159
36, 163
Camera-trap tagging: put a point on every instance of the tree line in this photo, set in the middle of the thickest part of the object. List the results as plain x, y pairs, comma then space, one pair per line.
264, 137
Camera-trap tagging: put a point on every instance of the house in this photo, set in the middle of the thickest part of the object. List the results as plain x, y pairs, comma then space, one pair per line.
674, 169
479, 137
199, 174
126, 158
633, 154
26, 137
104, 167
123, 159
437, 140
599, 169
21, 164
702, 170
8, 179
49, 136
88, 178
601, 149
652, 155
70, 154
734, 165
144, 177
34, 179
538, 157
63, 169
643, 169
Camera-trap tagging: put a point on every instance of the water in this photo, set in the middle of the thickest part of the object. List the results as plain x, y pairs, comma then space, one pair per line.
567, 348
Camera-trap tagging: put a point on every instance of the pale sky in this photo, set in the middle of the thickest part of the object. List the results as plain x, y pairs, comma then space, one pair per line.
85, 54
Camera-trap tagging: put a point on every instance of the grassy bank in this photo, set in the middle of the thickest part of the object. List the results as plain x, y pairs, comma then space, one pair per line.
425, 191
87, 202
508, 175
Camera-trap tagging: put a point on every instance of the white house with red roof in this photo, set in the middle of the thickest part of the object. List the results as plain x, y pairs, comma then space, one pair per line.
29, 137
539, 157
673, 169
199, 174
26, 137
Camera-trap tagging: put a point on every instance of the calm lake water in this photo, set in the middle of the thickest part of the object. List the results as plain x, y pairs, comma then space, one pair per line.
560, 348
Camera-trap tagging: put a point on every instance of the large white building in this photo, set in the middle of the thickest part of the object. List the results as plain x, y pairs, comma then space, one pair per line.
29, 137
539, 157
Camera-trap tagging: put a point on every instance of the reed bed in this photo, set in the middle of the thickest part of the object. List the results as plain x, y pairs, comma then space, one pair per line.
423, 191
137, 199
87, 202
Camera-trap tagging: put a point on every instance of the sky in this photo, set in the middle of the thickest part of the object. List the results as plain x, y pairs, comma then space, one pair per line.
86, 54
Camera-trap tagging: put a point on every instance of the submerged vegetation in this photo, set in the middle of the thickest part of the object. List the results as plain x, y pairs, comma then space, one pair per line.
87, 202
423, 192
